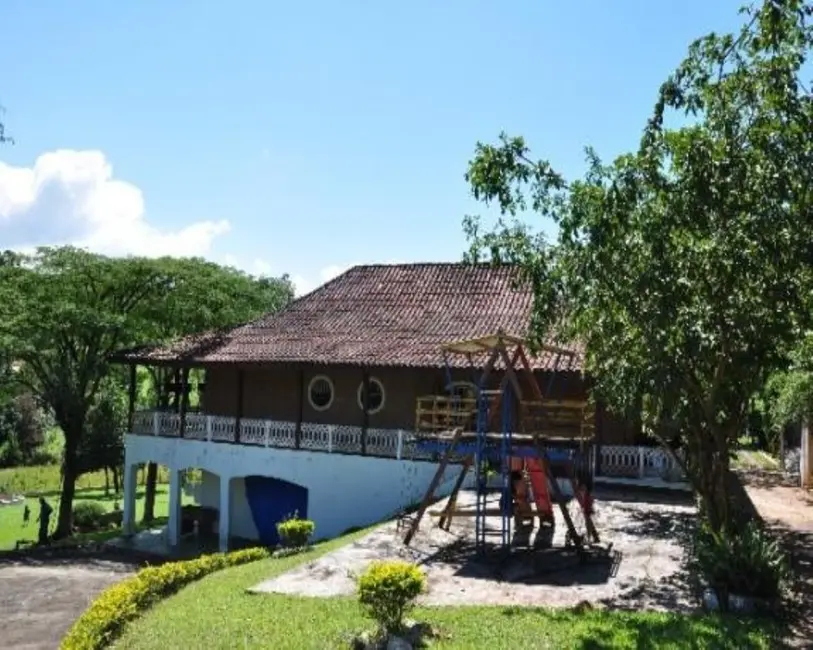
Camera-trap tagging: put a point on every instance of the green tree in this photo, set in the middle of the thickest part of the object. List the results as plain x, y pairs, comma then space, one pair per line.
22, 430
204, 296
102, 446
63, 311
685, 266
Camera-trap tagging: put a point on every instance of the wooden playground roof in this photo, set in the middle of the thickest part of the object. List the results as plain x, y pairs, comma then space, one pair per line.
379, 315
487, 343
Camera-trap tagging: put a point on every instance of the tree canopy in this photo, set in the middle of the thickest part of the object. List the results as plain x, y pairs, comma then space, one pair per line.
684, 266
63, 311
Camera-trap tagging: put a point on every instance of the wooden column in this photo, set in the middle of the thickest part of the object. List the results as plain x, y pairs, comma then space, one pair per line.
184, 402
365, 421
131, 398
240, 390
599, 436
300, 405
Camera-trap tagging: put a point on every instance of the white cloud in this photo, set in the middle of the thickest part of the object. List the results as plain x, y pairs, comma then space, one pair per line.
71, 197
303, 284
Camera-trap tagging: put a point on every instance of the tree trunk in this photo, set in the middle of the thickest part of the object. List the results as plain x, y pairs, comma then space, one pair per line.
159, 377
116, 482
106, 483
149, 493
70, 473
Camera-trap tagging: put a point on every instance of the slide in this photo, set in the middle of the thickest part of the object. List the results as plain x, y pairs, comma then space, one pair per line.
540, 487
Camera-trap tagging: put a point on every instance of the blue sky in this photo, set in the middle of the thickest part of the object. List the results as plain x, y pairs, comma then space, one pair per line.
304, 137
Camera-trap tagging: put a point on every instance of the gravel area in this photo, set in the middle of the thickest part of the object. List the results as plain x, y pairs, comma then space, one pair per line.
642, 570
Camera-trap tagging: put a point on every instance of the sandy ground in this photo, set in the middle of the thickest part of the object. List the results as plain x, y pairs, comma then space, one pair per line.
643, 569
39, 600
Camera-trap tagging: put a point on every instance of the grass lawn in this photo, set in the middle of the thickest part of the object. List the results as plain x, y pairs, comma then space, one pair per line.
45, 480
216, 612
755, 460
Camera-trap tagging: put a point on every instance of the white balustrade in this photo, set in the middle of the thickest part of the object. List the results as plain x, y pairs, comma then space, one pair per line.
616, 461
252, 431
195, 426
637, 462
222, 429
383, 442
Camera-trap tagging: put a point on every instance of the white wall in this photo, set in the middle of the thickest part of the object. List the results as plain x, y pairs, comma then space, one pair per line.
343, 490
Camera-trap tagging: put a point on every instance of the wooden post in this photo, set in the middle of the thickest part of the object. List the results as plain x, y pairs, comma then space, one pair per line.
239, 416
599, 439
183, 406
131, 398
300, 405
806, 466
365, 419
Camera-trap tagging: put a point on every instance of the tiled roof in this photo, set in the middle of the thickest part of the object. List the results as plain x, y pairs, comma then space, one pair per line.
382, 315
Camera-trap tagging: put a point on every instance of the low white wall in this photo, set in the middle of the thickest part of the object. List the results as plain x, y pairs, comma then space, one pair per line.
343, 490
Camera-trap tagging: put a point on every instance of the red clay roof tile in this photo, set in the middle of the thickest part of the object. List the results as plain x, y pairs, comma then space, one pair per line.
379, 315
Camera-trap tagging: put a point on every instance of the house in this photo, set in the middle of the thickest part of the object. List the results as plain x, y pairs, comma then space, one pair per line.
312, 410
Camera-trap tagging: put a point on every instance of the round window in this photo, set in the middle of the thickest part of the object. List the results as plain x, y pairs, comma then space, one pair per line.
374, 399
320, 393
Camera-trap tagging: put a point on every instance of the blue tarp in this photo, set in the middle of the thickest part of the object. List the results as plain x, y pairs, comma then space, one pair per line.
271, 501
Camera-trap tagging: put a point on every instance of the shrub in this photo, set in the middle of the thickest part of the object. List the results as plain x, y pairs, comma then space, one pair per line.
295, 532
388, 589
104, 620
89, 515
748, 562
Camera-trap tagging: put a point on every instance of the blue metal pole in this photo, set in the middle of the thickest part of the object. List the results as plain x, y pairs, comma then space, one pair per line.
505, 454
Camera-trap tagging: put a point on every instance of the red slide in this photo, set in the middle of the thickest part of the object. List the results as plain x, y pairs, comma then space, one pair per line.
539, 484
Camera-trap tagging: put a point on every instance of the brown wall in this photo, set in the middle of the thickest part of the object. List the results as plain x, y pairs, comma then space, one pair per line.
274, 392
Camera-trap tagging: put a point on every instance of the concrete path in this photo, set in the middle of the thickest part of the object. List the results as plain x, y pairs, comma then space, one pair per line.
39, 600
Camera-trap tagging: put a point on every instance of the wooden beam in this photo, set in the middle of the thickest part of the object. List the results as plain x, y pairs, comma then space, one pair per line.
131, 398
430, 492
488, 512
365, 403
510, 371
300, 405
446, 520
495, 354
182, 407
239, 417
532, 379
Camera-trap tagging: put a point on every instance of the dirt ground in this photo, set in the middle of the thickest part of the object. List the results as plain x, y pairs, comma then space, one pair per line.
40, 599
788, 510
643, 569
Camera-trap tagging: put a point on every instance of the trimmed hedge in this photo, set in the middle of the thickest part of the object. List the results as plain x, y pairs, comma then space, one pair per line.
106, 617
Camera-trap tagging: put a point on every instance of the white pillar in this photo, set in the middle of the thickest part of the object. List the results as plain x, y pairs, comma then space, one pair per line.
806, 464
224, 516
174, 526
130, 487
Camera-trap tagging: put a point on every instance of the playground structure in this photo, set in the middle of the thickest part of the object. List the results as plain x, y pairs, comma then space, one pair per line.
510, 429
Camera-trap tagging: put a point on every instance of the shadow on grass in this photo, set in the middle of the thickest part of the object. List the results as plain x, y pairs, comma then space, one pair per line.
607, 630
84, 547
97, 494
696, 633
